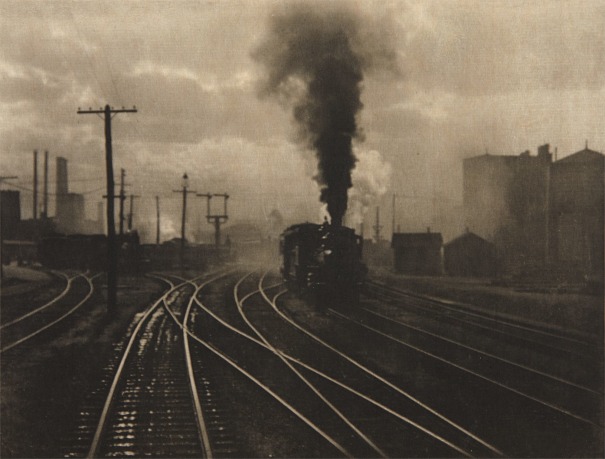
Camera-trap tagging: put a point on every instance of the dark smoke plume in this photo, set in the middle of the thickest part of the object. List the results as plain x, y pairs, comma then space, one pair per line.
315, 62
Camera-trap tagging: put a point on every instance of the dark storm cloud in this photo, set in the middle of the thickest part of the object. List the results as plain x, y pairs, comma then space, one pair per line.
315, 60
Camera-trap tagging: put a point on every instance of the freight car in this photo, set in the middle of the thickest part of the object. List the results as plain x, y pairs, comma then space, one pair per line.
87, 251
323, 262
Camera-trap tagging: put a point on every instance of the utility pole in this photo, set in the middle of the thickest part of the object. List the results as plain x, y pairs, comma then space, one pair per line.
185, 191
393, 222
45, 211
157, 228
377, 226
217, 220
35, 214
132, 197
112, 247
122, 197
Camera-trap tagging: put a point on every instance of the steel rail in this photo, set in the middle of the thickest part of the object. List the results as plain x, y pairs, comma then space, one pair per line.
50, 303
327, 377
484, 353
240, 306
386, 382
375, 402
252, 378
50, 324
466, 370
163, 279
466, 310
201, 424
92, 452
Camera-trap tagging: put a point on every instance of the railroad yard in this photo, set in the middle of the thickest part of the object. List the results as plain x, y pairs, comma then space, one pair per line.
229, 363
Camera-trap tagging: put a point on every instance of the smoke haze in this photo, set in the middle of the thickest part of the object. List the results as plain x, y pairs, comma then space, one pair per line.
315, 62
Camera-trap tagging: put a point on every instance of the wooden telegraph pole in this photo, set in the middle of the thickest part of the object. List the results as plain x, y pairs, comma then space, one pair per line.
112, 247
185, 191
157, 209
131, 210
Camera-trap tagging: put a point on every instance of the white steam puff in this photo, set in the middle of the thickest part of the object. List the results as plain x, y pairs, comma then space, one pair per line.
371, 180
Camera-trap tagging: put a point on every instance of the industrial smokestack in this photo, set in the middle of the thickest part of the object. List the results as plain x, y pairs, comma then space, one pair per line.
315, 58
35, 204
45, 212
61, 188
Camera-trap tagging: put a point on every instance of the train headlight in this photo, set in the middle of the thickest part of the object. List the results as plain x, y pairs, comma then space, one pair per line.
321, 256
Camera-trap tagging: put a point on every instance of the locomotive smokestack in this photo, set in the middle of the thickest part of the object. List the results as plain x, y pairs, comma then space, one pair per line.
315, 60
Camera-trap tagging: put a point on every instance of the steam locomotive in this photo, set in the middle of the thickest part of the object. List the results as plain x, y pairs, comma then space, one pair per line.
323, 262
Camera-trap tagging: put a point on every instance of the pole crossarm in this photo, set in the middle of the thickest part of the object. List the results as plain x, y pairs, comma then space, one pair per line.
90, 111
216, 220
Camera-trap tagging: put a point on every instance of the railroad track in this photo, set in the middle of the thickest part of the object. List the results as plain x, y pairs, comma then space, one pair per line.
546, 401
156, 397
23, 328
201, 366
145, 407
423, 422
543, 377
259, 369
537, 335
351, 408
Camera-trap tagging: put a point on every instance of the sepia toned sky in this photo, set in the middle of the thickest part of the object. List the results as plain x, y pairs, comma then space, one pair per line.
502, 76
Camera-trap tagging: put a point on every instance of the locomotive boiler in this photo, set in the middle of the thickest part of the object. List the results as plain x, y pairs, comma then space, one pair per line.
323, 262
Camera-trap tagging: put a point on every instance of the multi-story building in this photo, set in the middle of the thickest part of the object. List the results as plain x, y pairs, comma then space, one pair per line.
505, 201
538, 213
576, 207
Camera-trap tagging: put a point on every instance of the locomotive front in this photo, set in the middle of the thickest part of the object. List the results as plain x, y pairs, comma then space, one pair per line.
323, 261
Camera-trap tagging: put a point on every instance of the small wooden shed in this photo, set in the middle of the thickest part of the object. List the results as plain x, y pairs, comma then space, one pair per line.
470, 255
418, 253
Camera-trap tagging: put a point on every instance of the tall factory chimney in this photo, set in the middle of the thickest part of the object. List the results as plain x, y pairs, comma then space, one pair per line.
45, 211
62, 188
35, 210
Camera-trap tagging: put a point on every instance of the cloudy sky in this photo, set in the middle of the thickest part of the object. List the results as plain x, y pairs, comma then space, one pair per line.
471, 76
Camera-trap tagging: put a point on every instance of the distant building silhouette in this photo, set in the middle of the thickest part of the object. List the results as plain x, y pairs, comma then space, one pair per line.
576, 212
469, 255
418, 253
539, 214
69, 213
10, 205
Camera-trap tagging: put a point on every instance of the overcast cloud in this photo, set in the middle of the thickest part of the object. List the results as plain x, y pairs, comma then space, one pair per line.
502, 76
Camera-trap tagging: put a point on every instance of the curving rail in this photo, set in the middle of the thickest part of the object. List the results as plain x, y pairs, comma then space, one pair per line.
110, 399
383, 380
89, 280
324, 376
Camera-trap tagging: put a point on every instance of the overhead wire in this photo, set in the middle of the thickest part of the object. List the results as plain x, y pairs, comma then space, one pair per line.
24, 188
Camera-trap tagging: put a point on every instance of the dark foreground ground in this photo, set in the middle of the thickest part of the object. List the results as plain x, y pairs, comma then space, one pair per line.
43, 386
